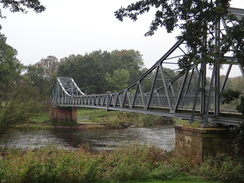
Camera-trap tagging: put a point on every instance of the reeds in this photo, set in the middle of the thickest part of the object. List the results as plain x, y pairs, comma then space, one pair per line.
132, 163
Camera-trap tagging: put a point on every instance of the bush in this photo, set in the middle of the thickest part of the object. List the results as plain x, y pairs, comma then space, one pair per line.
238, 143
222, 168
131, 163
20, 107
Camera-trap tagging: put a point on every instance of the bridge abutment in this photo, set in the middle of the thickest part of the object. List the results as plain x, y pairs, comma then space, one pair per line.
63, 114
195, 143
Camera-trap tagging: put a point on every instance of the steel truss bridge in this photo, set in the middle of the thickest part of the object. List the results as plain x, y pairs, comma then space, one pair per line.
191, 94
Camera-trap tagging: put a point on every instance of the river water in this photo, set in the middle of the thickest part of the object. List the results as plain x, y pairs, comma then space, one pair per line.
96, 139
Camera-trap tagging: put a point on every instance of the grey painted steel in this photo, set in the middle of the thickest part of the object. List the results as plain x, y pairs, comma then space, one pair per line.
184, 93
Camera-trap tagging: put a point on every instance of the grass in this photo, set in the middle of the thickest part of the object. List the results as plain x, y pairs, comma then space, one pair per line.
186, 123
41, 117
134, 163
195, 180
96, 118
117, 119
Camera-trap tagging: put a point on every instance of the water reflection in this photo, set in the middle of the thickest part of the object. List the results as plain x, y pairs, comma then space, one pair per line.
96, 139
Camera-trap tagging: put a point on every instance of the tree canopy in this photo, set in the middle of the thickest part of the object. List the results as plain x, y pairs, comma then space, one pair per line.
21, 6
102, 71
18, 100
197, 20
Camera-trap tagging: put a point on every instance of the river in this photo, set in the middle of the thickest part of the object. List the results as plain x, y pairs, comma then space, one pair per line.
97, 139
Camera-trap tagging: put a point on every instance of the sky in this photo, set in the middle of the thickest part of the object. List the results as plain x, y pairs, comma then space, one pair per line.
79, 27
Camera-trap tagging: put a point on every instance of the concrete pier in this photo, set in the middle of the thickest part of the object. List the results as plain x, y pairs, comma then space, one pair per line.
63, 114
194, 143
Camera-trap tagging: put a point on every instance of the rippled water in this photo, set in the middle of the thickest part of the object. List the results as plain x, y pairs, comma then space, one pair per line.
96, 139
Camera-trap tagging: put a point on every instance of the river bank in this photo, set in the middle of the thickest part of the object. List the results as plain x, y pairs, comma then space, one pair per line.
134, 162
98, 118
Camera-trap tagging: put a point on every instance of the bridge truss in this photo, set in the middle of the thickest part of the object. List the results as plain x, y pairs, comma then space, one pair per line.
192, 94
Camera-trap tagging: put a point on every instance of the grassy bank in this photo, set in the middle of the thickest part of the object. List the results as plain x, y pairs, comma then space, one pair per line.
118, 119
135, 163
98, 117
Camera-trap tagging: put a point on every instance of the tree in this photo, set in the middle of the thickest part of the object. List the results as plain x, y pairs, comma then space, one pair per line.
10, 68
50, 67
18, 100
118, 80
197, 20
130, 60
21, 6
42, 74
86, 70
89, 71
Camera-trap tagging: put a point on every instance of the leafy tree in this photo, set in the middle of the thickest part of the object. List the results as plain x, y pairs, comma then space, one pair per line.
10, 68
197, 20
130, 60
89, 71
230, 95
18, 100
85, 70
118, 80
21, 6
22, 105
49, 65
42, 74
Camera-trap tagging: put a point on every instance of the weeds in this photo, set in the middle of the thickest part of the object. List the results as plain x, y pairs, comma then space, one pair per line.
118, 119
222, 168
131, 163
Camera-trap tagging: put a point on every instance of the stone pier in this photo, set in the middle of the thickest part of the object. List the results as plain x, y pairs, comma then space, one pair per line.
63, 114
194, 143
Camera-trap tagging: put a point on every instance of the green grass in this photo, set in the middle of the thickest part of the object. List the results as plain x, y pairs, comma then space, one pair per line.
132, 164
177, 181
116, 119
186, 123
41, 117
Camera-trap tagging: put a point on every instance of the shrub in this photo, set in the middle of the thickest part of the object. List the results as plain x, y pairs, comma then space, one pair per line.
222, 168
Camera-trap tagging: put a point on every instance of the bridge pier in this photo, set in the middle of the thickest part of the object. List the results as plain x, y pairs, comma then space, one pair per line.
195, 143
63, 114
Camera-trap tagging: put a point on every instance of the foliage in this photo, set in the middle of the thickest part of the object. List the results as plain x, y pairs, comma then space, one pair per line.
238, 142
10, 68
50, 67
87, 72
21, 106
230, 95
118, 80
21, 6
133, 163
43, 74
222, 168
240, 107
197, 19
235, 83
117, 119
99, 72
54, 165
18, 100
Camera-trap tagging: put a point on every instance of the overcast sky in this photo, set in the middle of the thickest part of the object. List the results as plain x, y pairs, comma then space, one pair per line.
78, 27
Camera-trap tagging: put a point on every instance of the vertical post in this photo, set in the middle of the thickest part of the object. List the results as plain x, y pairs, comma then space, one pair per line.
152, 88
202, 88
166, 89
107, 102
181, 90
217, 71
